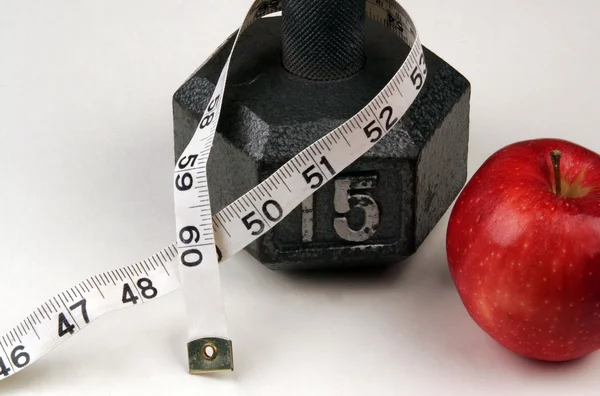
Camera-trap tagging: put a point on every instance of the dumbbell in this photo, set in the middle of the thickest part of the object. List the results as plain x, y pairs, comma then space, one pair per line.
293, 79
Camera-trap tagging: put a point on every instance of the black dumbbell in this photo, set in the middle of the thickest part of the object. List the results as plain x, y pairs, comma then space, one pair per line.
293, 79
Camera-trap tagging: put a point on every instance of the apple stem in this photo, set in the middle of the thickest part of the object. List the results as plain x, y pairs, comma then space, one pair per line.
556, 155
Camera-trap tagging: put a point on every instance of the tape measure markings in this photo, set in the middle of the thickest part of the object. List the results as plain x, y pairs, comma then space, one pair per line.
265, 205
70, 311
234, 227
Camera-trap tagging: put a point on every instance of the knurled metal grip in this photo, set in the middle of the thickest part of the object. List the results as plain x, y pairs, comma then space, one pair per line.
323, 39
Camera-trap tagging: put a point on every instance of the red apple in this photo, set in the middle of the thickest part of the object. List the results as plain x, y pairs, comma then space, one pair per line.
524, 256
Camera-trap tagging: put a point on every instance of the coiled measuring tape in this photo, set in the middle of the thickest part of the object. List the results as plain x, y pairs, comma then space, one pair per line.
204, 240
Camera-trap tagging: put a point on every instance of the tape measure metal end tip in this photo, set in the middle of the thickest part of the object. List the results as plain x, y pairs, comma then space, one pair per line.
209, 355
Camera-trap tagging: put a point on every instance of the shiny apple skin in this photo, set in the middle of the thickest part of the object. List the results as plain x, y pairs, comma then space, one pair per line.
526, 261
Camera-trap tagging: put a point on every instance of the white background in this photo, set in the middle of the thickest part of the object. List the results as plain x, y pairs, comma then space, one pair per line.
85, 186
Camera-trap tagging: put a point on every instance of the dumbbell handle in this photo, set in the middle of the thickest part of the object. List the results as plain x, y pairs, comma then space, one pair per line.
323, 39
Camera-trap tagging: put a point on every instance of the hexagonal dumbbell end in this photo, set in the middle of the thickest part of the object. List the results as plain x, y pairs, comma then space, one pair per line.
292, 80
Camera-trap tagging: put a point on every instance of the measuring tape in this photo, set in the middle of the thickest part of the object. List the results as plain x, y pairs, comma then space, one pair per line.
204, 240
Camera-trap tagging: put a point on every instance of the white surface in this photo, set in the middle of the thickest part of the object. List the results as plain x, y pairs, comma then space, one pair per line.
86, 86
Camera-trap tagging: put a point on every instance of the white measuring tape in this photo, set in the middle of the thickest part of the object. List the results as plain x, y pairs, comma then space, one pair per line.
204, 240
